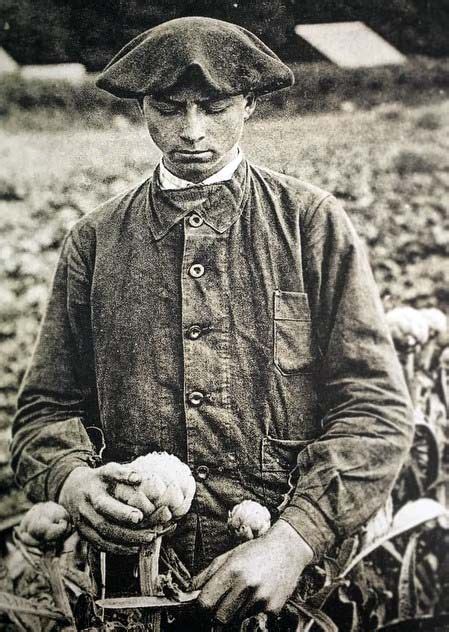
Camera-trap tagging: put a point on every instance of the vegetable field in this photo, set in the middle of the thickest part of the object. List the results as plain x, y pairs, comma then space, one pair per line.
389, 166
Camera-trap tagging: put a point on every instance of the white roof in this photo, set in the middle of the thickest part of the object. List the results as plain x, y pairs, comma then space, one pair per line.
73, 73
7, 63
350, 44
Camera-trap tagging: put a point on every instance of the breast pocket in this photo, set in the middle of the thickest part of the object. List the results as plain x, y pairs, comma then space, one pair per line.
295, 350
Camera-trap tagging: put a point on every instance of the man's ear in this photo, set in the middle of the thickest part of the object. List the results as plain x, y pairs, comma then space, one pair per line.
251, 102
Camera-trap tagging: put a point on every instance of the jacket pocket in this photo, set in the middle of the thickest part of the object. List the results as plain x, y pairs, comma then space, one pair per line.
280, 472
281, 455
294, 346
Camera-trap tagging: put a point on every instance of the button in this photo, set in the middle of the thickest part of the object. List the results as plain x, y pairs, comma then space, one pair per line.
196, 271
195, 220
196, 398
194, 332
202, 471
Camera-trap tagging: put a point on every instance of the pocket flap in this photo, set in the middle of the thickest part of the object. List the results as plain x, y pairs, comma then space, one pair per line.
281, 454
291, 305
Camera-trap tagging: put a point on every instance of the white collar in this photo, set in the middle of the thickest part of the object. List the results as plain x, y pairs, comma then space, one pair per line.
169, 181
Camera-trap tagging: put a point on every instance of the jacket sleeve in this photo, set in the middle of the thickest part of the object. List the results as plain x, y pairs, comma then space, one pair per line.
347, 473
56, 398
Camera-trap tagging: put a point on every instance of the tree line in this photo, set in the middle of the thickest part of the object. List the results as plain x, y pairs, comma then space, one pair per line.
89, 31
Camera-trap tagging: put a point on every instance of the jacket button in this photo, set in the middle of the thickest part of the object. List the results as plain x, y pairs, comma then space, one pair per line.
202, 472
196, 398
195, 220
196, 271
194, 332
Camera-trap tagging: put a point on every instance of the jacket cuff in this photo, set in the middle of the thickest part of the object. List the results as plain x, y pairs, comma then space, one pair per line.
310, 523
60, 470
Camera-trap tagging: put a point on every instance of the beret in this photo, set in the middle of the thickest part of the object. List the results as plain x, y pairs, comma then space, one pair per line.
226, 58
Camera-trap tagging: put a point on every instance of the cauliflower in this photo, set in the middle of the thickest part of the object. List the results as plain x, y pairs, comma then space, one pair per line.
436, 320
249, 520
166, 491
44, 524
408, 326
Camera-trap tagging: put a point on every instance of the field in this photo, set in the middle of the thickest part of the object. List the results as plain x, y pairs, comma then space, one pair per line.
389, 165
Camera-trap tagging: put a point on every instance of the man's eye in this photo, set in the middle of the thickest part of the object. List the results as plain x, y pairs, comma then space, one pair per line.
165, 108
214, 108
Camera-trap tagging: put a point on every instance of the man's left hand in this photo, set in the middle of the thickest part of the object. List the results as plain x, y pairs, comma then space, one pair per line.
257, 576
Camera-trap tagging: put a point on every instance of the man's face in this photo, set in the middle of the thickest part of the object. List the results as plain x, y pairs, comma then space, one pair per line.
196, 133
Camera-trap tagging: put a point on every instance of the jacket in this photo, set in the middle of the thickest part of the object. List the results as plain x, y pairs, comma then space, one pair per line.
236, 325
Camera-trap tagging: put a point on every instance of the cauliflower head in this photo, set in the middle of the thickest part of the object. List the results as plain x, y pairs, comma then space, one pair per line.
249, 520
166, 491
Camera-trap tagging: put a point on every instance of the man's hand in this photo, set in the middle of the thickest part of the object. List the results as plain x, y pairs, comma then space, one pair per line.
256, 576
104, 521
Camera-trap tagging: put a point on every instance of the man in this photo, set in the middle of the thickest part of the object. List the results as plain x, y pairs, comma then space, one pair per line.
224, 313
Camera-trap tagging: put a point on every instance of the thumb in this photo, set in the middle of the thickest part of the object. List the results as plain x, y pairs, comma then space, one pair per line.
202, 578
116, 472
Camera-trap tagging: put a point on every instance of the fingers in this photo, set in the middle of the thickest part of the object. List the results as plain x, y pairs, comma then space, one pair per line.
205, 575
233, 604
221, 582
116, 472
104, 545
117, 511
161, 516
111, 531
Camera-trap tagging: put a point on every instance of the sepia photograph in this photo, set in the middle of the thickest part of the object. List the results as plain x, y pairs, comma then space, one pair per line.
224, 316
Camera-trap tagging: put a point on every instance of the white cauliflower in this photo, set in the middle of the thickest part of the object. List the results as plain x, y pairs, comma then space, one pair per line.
44, 525
408, 325
249, 520
436, 319
166, 491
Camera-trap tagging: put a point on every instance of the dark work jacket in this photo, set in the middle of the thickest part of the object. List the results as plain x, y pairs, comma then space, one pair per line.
291, 366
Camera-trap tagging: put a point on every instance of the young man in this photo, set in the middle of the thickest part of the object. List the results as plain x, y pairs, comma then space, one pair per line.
224, 313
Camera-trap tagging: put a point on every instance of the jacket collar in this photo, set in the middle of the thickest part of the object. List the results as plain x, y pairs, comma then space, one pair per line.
219, 204
168, 180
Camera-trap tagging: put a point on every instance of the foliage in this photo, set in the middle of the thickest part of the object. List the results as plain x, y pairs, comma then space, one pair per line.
319, 87
90, 32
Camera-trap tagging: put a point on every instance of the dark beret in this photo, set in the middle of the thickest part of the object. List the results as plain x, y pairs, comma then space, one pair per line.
226, 58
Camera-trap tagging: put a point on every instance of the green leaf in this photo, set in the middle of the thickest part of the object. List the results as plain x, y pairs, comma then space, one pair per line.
352, 621
11, 603
408, 517
347, 551
407, 605
318, 599
321, 619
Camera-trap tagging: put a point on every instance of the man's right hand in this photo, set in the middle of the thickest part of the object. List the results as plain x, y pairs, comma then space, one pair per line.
107, 523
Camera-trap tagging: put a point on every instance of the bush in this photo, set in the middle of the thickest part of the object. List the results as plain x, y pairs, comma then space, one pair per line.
410, 161
319, 87
429, 120
19, 97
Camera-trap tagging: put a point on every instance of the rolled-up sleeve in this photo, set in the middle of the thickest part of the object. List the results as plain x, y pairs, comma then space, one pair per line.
57, 396
348, 472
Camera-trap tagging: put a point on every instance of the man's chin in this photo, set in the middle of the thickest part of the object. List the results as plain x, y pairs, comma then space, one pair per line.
193, 168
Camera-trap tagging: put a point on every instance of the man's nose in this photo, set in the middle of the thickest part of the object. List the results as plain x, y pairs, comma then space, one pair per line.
193, 129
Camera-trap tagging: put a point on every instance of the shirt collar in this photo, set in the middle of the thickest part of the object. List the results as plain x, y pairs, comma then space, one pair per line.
168, 181
219, 204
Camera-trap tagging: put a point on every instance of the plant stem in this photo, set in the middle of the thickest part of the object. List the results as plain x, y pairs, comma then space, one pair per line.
149, 574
